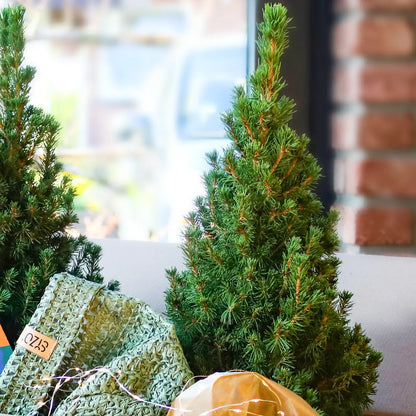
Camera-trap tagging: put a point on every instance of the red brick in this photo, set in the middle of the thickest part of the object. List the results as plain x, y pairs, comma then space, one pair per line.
375, 83
382, 5
376, 225
373, 131
392, 177
374, 37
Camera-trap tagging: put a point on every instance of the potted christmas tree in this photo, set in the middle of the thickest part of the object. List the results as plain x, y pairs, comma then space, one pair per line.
36, 197
260, 289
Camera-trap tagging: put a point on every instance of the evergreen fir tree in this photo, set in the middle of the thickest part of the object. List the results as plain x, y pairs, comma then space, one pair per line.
260, 289
36, 197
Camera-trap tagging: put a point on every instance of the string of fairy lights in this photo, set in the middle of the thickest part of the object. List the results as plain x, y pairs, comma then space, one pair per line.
80, 376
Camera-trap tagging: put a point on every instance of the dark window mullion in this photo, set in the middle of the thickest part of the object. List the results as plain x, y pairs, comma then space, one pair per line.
306, 70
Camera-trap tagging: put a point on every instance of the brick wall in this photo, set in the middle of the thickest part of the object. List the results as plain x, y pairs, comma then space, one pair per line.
373, 124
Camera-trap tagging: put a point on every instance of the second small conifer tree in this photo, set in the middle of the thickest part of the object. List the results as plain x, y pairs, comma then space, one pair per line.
259, 291
36, 197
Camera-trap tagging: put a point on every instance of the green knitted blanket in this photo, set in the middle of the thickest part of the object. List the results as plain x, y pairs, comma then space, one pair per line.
95, 327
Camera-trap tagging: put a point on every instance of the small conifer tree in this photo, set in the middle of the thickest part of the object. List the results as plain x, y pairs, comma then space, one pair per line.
260, 289
36, 198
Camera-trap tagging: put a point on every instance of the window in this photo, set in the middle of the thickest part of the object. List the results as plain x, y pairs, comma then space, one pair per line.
138, 87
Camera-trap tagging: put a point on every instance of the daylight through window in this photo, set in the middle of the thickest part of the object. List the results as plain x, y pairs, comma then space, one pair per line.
138, 87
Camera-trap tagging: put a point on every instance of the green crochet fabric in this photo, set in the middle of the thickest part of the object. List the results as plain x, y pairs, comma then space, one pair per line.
95, 327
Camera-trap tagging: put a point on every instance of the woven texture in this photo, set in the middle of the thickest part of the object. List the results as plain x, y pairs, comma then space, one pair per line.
95, 327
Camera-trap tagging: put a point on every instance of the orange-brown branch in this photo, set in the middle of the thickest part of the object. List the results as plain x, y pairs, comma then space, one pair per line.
233, 135
232, 171
269, 91
213, 256
256, 157
271, 70
283, 151
269, 190
275, 213
305, 182
278, 334
263, 129
247, 126
297, 289
290, 170
289, 261
308, 250
298, 285
243, 233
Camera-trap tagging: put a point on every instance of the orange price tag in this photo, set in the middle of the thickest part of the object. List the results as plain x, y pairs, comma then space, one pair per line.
37, 343
3, 341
